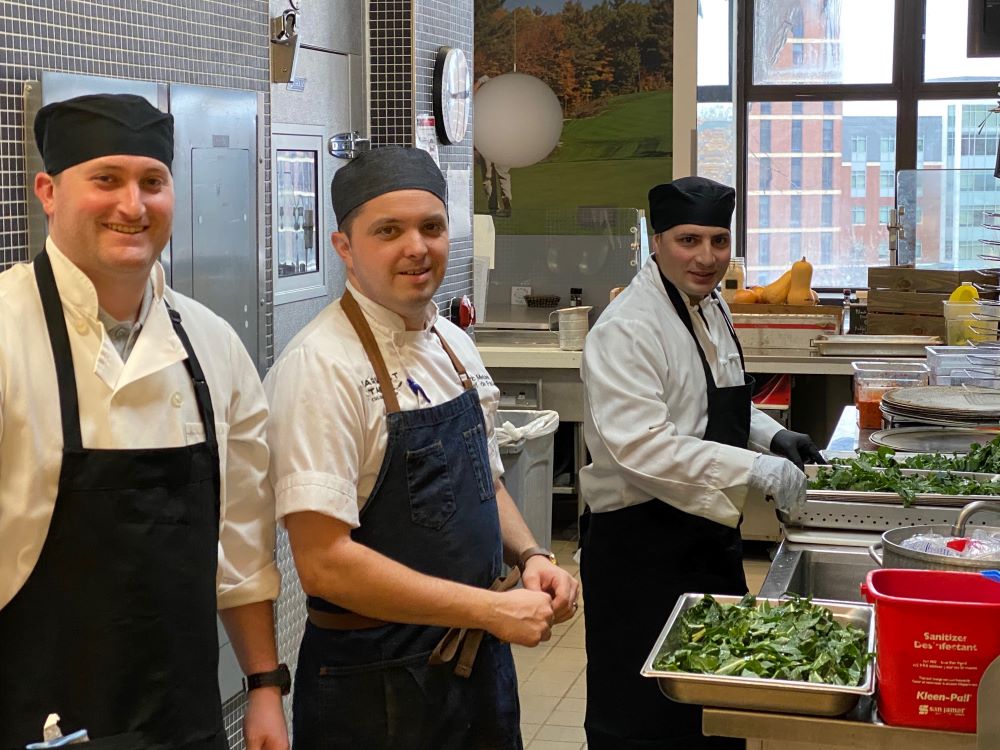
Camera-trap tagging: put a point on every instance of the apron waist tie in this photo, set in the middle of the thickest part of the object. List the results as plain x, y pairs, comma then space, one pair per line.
468, 639
342, 620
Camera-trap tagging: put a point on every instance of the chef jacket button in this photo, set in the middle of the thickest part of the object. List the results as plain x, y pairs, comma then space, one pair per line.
177, 399
81, 326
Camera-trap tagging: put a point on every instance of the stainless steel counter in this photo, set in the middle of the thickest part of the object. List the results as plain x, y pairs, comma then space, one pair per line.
497, 354
766, 731
847, 436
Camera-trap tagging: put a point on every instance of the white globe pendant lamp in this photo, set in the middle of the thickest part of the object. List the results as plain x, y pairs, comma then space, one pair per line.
517, 120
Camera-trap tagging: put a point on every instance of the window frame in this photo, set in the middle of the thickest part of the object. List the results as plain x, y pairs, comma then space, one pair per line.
907, 89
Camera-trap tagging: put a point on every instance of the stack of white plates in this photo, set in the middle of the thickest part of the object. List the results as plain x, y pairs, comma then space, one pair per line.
949, 406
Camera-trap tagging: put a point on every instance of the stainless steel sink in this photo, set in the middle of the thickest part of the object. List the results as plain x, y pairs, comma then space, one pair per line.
822, 572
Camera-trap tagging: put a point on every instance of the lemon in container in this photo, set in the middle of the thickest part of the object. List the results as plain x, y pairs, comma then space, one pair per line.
959, 315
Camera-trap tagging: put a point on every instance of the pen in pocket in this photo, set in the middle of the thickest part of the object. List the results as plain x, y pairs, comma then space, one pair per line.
417, 390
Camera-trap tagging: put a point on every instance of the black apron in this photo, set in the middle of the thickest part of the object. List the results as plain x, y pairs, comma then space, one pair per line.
433, 509
636, 562
115, 627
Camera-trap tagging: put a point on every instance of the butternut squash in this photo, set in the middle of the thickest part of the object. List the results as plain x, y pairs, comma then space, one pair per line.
815, 297
776, 292
744, 297
799, 283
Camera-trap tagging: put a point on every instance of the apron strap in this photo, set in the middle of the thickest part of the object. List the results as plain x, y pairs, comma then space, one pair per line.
360, 325
364, 331
682, 312
455, 362
202, 393
55, 321
69, 404
468, 640
732, 330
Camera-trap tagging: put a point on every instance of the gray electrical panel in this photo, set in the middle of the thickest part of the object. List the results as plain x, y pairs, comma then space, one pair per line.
215, 254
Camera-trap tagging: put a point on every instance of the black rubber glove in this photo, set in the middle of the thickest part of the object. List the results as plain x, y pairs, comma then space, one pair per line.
797, 447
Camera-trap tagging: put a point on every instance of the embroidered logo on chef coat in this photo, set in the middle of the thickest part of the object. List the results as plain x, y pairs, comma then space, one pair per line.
481, 379
374, 391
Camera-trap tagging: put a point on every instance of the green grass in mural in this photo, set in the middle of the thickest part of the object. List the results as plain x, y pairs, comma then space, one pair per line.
610, 159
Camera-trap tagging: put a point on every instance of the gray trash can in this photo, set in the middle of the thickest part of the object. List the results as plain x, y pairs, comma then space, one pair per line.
527, 466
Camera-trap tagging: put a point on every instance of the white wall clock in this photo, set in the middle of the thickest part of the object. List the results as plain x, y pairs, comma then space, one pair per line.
452, 94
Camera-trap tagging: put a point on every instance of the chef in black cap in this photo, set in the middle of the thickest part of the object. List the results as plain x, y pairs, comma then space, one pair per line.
134, 502
676, 445
386, 473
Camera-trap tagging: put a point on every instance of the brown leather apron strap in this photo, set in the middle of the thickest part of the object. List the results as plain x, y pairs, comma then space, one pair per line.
455, 362
468, 639
342, 620
357, 320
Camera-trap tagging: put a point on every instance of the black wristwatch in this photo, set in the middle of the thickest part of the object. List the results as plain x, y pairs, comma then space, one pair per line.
280, 678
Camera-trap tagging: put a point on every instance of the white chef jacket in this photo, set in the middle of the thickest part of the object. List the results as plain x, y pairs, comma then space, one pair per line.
646, 407
327, 430
147, 402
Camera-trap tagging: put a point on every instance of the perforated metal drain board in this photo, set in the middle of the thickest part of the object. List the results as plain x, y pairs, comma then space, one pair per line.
868, 516
289, 623
289, 613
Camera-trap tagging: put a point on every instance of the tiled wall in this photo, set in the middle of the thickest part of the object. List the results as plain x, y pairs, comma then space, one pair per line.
405, 30
390, 38
202, 42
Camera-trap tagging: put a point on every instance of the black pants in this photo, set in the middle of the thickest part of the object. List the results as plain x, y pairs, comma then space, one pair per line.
636, 563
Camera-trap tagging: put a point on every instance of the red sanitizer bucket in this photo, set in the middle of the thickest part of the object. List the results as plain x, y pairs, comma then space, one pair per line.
936, 632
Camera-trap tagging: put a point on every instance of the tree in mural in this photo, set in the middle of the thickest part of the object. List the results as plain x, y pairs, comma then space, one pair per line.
610, 64
585, 55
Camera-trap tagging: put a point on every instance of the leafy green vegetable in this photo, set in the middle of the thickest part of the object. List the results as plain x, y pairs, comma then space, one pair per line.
982, 459
793, 640
880, 471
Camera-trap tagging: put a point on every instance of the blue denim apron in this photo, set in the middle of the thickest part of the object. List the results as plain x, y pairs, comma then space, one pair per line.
433, 509
115, 628
636, 561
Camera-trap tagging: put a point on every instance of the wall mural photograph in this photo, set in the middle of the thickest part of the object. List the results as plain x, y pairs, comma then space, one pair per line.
610, 65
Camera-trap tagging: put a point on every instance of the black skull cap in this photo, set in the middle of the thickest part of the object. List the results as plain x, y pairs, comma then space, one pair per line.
691, 200
87, 127
385, 170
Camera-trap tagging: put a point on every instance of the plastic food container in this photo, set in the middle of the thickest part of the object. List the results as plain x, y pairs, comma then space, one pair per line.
873, 378
941, 360
935, 634
966, 328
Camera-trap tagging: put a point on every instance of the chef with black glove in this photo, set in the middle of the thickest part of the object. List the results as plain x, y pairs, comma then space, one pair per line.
677, 447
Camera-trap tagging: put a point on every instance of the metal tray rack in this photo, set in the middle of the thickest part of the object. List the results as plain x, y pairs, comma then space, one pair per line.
880, 511
758, 693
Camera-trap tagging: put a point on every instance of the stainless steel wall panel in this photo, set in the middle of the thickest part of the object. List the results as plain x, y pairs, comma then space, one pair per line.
215, 248
224, 268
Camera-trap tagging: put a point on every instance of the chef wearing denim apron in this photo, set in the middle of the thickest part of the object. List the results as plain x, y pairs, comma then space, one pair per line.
675, 443
395, 541
434, 510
